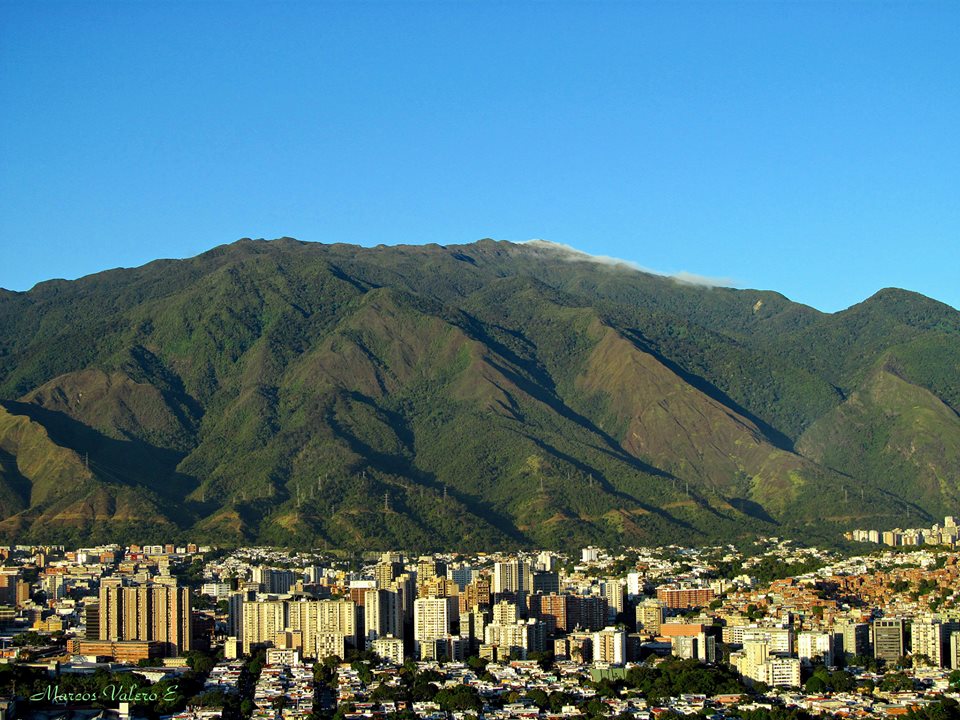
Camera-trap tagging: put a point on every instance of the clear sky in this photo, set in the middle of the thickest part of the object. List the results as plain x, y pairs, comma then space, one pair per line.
811, 148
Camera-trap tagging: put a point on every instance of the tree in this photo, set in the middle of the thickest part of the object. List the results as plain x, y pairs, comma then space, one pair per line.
842, 681
459, 699
815, 684
896, 682
539, 698
954, 680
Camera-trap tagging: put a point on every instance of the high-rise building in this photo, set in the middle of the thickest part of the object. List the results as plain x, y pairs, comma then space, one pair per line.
14, 591
235, 613
955, 649
757, 663
273, 580
388, 569
545, 582
431, 621
816, 647
587, 612
429, 567
438, 587
511, 577
331, 644
262, 620
172, 616
91, 617
610, 646
929, 641
159, 611
472, 626
888, 639
383, 615
779, 639
613, 591
110, 607
649, 616
516, 639
700, 646
551, 609
476, 595
339, 616
303, 619
546, 560
854, 638
505, 613
137, 612
461, 574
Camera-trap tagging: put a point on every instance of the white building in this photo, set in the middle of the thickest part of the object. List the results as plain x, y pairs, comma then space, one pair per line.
431, 620
389, 648
814, 647
610, 646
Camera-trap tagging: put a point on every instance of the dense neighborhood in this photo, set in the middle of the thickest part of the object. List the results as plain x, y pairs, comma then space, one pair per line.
773, 629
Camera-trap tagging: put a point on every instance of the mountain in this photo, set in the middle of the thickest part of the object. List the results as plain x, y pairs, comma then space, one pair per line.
482, 395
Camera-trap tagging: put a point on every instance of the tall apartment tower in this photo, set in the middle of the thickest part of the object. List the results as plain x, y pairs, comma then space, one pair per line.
650, 616
888, 639
610, 646
613, 590
428, 567
170, 610
930, 638
505, 613
387, 570
158, 611
476, 595
431, 621
303, 617
111, 614
262, 620
511, 577
91, 616
383, 615
545, 582
855, 638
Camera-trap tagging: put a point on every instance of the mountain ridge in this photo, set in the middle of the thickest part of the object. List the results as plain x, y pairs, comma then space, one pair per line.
478, 394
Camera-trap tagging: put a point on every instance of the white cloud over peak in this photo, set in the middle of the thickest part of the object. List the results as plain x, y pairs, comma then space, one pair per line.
571, 254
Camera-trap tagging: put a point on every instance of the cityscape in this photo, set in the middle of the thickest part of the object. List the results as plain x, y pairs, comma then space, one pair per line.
188, 631
471, 360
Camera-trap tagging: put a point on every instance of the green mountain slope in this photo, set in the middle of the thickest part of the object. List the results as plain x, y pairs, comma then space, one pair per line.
896, 436
484, 395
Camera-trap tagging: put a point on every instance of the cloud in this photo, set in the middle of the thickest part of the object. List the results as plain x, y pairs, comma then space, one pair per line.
571, 254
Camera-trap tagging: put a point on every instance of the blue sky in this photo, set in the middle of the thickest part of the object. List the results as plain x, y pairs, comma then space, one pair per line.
811, 148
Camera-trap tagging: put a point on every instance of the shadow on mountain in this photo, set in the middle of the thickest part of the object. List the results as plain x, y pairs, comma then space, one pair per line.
751, 508
129, 462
